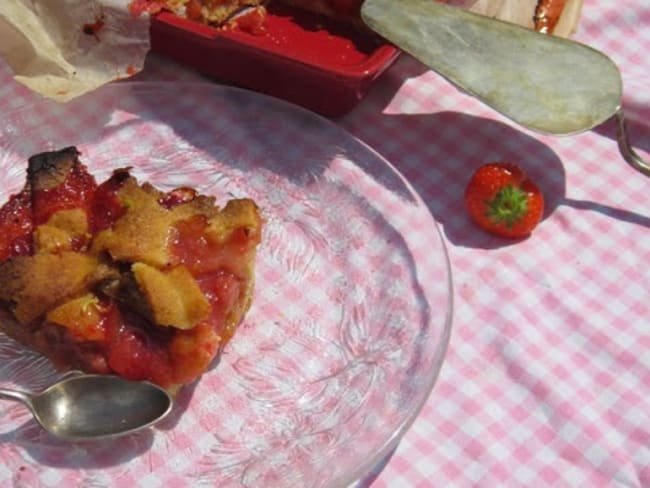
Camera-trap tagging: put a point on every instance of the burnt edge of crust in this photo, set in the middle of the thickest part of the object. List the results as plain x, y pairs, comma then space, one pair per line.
47, 170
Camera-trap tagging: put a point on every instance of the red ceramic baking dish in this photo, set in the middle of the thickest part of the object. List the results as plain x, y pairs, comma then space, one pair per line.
303, 58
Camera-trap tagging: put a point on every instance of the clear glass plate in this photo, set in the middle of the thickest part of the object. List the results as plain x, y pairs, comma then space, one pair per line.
352, 312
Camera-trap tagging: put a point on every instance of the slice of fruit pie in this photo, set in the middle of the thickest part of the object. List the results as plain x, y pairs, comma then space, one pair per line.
119, 277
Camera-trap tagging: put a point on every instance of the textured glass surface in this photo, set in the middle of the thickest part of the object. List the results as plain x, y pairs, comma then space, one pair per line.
351, 315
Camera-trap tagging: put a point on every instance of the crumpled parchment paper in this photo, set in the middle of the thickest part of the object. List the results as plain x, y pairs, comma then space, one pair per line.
64, 48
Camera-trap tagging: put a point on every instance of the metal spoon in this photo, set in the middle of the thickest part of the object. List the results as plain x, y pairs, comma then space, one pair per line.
95, 406
544, 83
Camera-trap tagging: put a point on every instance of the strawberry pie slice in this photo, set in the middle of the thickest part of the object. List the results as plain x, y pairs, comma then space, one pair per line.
121, 278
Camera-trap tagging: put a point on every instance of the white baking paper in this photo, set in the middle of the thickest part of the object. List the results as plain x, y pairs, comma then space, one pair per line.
46, 45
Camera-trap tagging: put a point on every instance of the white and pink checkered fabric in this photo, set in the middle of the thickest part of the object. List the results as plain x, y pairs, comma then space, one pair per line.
547, 378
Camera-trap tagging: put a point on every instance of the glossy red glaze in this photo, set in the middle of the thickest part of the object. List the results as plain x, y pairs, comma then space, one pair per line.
135, 350
300, 57
76, 191
105, 207
16, 226
222, 289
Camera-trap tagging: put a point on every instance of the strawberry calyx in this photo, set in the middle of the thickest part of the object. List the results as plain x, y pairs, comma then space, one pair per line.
509, 205
503, 201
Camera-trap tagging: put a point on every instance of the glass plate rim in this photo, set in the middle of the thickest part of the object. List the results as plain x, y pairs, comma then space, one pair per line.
380, 452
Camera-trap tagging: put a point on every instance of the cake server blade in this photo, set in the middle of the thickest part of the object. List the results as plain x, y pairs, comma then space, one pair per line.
545, 83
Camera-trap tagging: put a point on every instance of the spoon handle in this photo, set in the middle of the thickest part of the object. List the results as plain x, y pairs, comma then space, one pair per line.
16, 395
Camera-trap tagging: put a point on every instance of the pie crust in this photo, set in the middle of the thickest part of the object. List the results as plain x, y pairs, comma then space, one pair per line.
121, 278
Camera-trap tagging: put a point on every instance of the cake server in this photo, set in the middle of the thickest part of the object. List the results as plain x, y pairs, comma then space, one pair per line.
545, 83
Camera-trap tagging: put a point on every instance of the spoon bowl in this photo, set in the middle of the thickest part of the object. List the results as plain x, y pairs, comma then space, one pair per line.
87, 407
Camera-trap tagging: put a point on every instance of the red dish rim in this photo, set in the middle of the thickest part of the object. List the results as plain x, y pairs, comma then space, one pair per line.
384, 53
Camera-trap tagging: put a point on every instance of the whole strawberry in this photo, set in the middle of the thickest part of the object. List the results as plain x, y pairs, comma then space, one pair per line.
503, 201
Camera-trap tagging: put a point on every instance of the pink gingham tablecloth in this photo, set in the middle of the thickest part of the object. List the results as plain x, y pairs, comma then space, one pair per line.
547, 377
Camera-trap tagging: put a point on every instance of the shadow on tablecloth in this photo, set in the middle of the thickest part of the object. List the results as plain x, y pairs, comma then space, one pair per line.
491, 140
449, 145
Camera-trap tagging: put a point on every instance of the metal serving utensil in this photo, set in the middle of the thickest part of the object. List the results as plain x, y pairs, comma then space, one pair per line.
545, 83
87, 407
